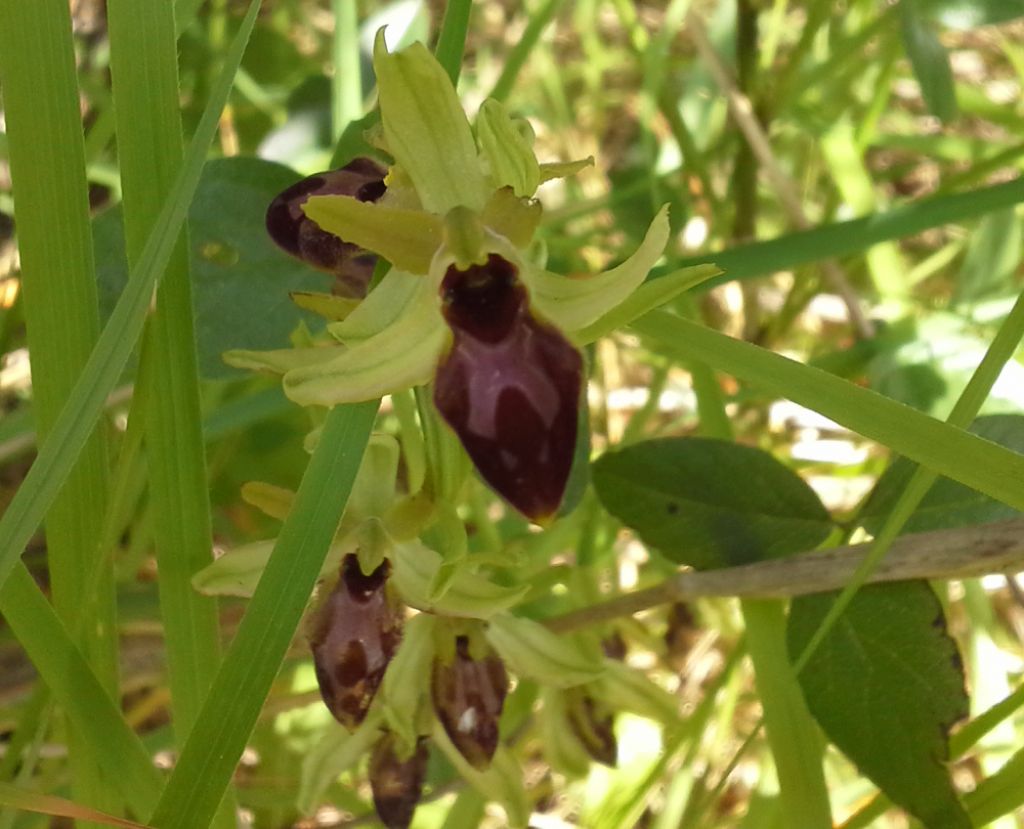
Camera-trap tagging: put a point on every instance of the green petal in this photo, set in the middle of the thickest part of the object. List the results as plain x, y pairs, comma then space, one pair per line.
564, 169
406, 238
425, 128
507, 150
402, 355
280, 360
574, 303
652, 294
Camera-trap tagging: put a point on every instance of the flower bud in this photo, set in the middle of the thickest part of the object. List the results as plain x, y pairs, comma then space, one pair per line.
592, 721
300, 236
355, 632
509, 387
396, 783
468, 697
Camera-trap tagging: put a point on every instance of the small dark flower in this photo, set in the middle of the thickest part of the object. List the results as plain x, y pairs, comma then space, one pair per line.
355, 633
509, 386
300, 236
468, 697
592, 722
396, 784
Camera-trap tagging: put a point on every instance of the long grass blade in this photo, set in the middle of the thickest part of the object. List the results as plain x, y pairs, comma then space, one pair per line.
950, 451
115, 345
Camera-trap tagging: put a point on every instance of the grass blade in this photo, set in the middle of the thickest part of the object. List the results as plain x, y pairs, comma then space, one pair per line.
216, 742
149, 144
47, 159
950, 451
115, 345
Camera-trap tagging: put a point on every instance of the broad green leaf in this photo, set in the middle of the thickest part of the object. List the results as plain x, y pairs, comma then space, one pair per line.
970, 14
406, 238
887, 685
468, 594
241, 280
929, 61
531, 650
508, 151
426, 130
948, 504
710, 503
576, 302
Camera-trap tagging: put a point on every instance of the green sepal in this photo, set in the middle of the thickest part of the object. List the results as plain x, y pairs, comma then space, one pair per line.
652, 294
427, 132
512, 217
406, 238
574, 303
469, 595
407, 681
274, 501
403, 354
238, 571
280, 360
501, 782
562, 747
628, 689
339, 749
508, 151
533, 651
396, 295
328, 306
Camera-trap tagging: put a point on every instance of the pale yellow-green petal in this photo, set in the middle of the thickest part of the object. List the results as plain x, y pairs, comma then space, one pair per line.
507, 150
406, 238
564, 169
404, 354
426, 129
573, 303
652, 294
328, 306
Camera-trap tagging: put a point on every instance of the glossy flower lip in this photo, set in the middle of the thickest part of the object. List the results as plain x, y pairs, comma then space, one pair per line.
460, 195
509, 386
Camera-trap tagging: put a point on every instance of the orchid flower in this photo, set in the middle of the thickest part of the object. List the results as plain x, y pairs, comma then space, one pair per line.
464, 305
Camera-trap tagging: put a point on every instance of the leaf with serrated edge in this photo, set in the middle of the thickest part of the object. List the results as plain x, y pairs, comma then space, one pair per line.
533, 651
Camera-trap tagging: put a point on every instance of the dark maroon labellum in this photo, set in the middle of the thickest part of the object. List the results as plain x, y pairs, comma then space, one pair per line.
468, 698
592, 722
509, 387
355, 632
396, 784
301, 237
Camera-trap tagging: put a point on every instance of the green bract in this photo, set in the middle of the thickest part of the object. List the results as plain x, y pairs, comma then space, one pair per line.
454, 196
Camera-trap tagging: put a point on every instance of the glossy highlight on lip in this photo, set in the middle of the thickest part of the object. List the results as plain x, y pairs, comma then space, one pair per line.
509, 386
355, 633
